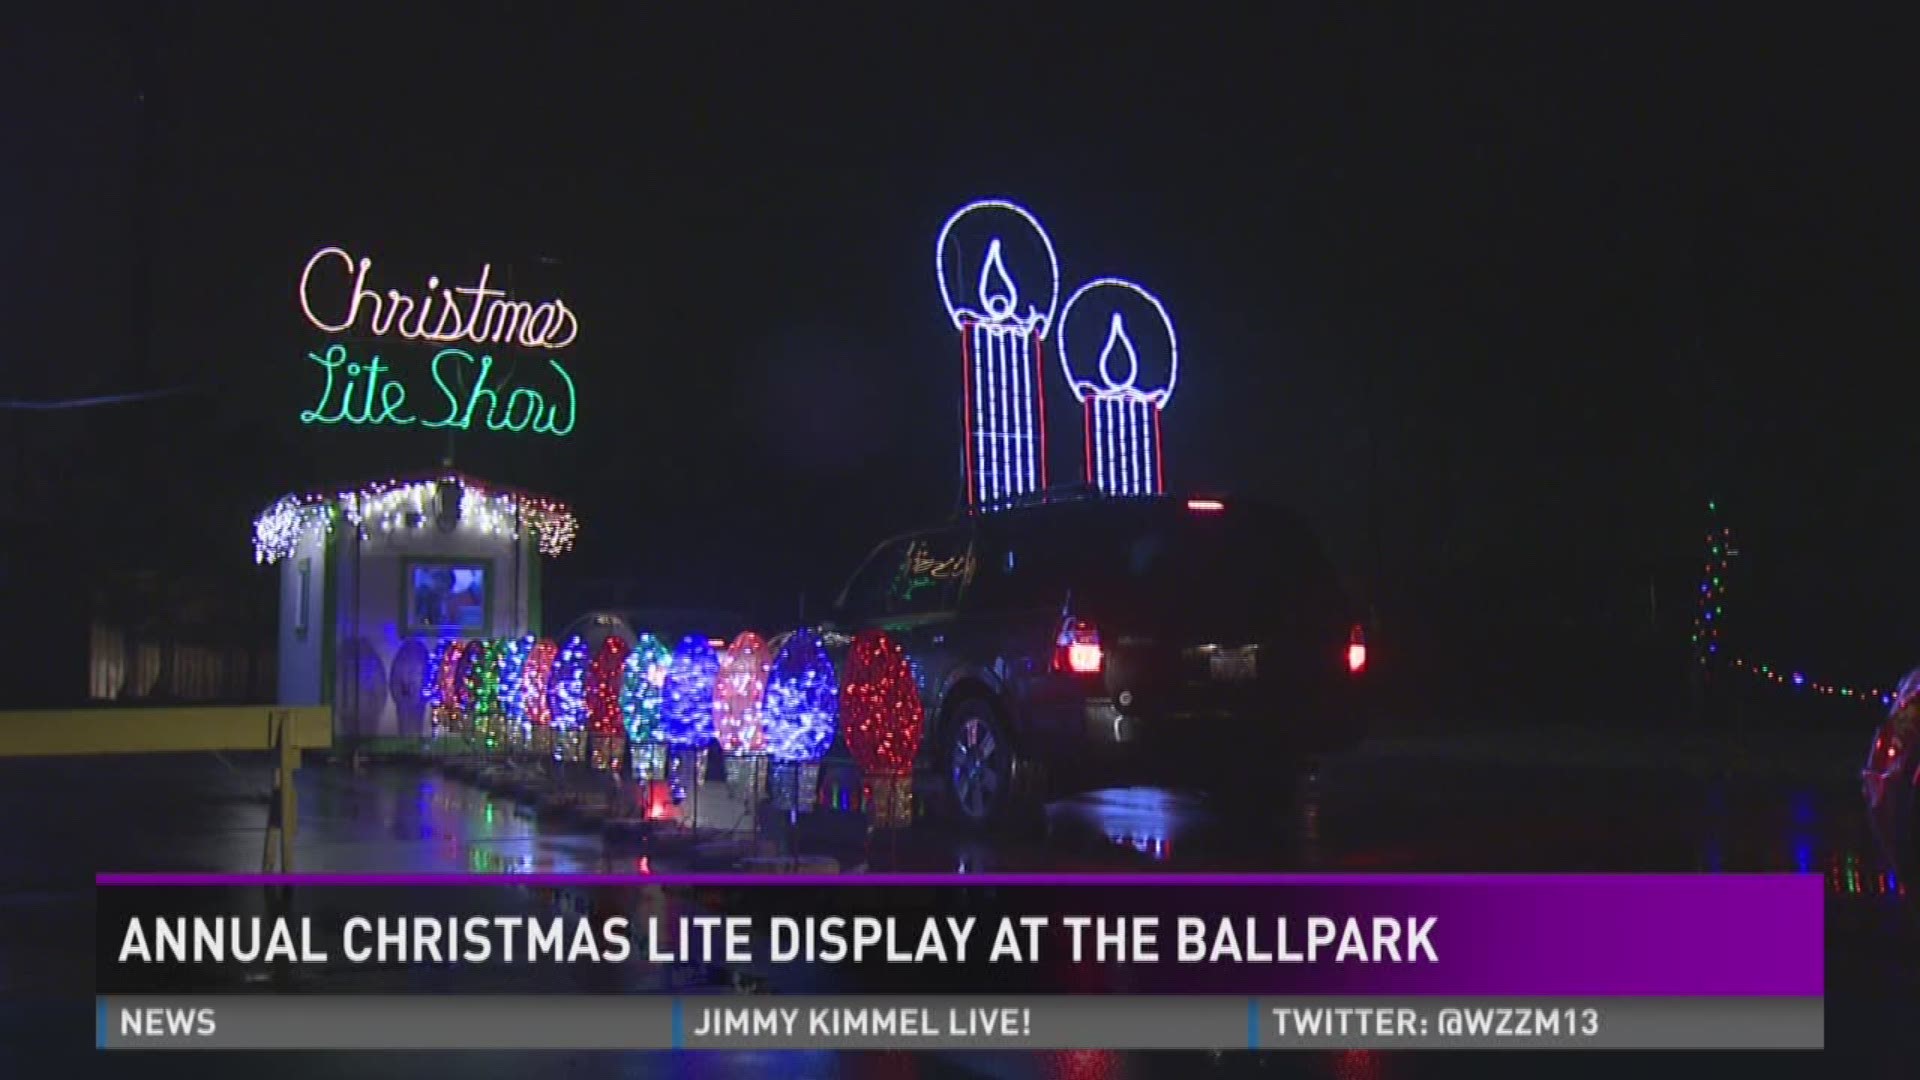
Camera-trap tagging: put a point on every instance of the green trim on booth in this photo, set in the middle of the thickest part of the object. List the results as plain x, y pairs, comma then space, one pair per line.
330, 606
531, 560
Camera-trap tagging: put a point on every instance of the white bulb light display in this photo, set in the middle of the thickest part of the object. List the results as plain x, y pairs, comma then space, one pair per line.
1120, 320
1001, 331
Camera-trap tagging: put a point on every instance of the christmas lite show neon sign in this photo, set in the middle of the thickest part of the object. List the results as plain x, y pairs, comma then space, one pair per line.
469, 321
1000, 350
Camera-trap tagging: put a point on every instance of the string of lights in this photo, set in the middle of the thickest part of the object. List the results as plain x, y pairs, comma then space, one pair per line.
407, 503
1710, 614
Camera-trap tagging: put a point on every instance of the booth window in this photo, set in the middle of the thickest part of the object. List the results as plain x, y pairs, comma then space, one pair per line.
447, 597
302, 607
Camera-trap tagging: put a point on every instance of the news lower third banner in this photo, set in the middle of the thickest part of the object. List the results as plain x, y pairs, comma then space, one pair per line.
1121, 962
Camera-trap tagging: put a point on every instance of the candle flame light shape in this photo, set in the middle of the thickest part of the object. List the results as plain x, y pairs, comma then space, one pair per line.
742, 680
1004, 398
1123, 449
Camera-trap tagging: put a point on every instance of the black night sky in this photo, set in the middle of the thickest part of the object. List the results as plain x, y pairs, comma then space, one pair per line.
1512, 290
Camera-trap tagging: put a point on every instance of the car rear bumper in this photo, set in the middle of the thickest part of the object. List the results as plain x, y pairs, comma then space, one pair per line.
1890, 811
1228, 744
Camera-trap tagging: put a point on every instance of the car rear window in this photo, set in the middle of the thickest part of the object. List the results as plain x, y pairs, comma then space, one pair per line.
1162, 559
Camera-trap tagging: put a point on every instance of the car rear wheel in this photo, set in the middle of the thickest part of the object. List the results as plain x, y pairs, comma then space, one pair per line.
977, 765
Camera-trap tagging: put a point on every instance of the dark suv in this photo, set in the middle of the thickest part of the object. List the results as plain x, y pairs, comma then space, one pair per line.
1081, 643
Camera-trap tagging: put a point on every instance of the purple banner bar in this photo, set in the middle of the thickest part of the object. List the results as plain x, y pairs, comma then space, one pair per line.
1523, 934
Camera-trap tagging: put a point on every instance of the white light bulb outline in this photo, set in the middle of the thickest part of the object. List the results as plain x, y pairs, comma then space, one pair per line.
1084, 389
960, 315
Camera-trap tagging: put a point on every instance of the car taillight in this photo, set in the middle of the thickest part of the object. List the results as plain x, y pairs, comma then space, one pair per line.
1077, 649
1886, 748
1357, 649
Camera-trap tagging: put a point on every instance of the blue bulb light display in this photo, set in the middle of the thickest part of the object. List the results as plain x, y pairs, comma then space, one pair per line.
686, 707
802, 705
567, 692
513, 661
642, 687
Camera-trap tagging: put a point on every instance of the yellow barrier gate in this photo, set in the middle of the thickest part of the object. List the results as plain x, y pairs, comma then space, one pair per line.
287, 730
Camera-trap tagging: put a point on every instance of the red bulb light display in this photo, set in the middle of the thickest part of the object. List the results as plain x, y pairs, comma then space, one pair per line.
880, 707
534, 679
737, 719
451, 661
605, 678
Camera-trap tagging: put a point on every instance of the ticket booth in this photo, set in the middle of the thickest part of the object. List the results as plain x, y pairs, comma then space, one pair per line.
372, 577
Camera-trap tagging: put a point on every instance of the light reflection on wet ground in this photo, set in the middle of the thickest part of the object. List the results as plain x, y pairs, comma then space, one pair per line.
1375, 811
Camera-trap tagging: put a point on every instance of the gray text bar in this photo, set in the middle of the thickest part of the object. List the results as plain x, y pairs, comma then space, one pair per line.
949, 1022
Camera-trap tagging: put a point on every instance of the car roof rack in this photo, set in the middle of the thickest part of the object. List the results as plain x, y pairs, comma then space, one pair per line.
1081, 492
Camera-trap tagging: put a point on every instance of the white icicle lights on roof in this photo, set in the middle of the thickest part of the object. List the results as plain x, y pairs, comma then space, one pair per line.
386, 505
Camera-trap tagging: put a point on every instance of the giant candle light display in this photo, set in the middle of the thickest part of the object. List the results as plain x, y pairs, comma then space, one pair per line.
737, 692
1122, 418
1004, 396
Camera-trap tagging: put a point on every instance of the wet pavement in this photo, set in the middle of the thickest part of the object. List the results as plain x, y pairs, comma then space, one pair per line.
1560, 801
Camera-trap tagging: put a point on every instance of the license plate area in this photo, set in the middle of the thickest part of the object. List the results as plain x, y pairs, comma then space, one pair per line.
1240, 665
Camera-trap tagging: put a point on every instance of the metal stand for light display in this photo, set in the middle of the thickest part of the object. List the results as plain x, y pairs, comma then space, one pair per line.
606, 753
686, 775
889, 806
642, 804
791, 786
747, 786
889, 801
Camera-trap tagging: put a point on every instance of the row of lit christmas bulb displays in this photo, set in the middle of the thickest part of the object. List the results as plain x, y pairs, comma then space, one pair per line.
783, 699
